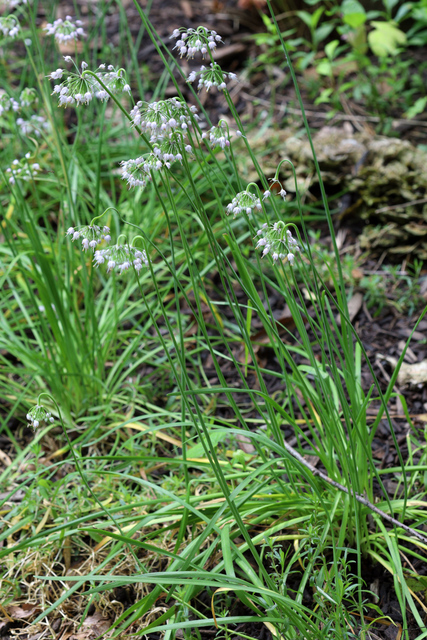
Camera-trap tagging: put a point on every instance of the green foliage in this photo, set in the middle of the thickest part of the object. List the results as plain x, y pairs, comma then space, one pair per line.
362, 54
153, 380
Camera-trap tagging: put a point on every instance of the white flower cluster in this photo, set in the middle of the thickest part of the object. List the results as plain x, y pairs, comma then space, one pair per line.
212, 76
65, 30
36, 125
80, 88
27, 98
158, 119
190, 41
120, 258
218, 136
15, 3
277, 240
9, 26
38, 414
8, 104
137, 172
167, 123
91, 235
244, 201
22, 170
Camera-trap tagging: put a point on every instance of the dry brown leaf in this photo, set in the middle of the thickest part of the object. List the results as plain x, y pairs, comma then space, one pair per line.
245, 443
252, 4
97, 624
66, 553
354, 306
5, 458
23, 611
187, 9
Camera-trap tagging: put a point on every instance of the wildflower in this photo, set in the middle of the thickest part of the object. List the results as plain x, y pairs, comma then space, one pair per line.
137, 172
80, 88
244, 201
163, 117
191, 41
121, 258
36, 125
65, 30
266, 195
212, 76
22, 170
218, 136
90, 235
277, 240
38, 414
114, 78
56, 75
276, 181
9, 26
8, 104
28, 97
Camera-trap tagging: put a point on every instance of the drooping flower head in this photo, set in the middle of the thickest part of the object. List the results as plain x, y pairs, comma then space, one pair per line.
212, 76
190, 41
35, 126
157, 119
79, 88
65, 30
38, 414
22, 169
244, 201
91, 235
218, 135
120, 258
9, 26
137, 172
8, 104
277, 240
28, 97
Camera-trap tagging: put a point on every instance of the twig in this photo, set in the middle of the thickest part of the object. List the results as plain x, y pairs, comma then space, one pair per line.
358, 497
401, 206
283, 107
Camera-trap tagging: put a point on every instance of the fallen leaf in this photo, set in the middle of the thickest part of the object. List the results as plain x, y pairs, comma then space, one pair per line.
252, 4
97, 623
409, 374
245, 443
5, 459
354, 306
23, 611
186, 8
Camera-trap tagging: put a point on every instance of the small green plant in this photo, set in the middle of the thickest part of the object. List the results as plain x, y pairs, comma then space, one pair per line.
394, 287
343, 38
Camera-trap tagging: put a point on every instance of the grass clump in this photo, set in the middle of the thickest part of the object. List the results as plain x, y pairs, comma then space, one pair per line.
165, 485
